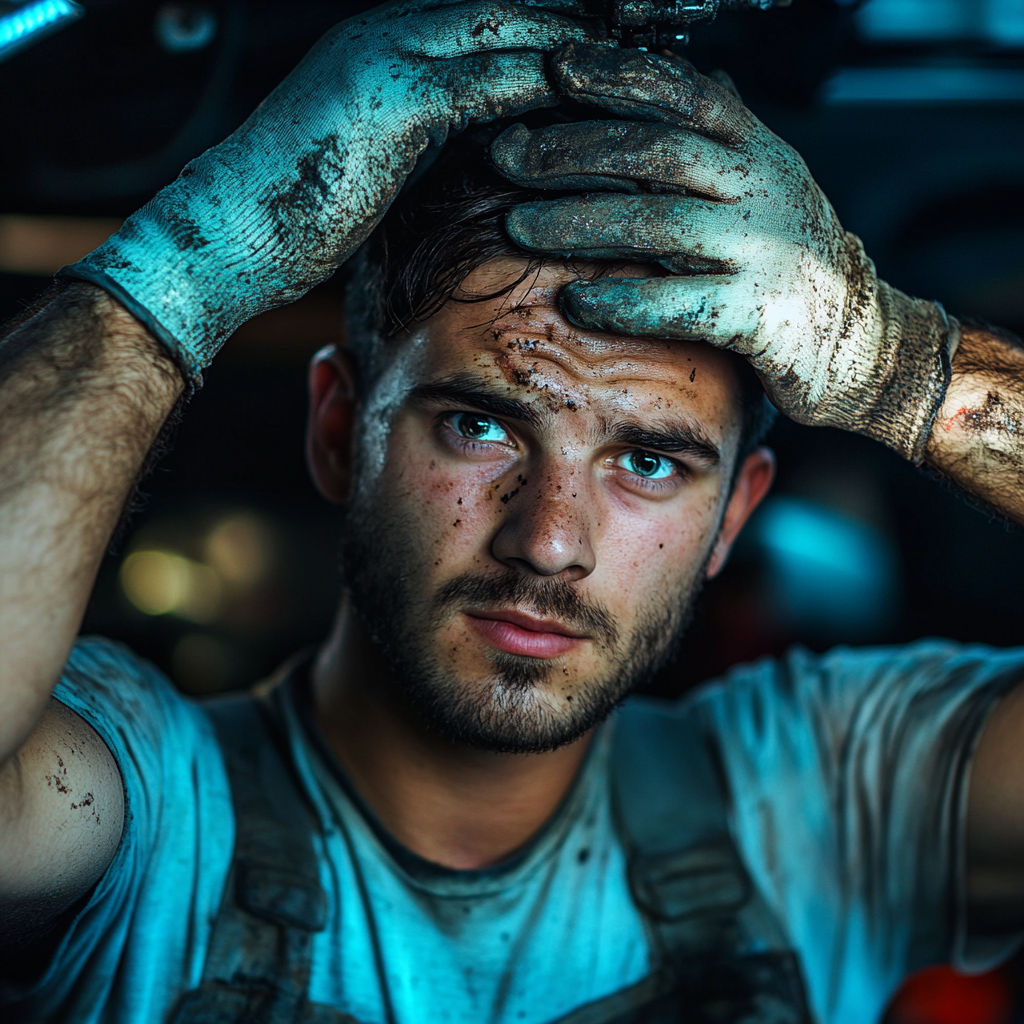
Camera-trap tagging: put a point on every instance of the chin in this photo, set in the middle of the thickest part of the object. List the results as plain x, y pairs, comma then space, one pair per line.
516, 710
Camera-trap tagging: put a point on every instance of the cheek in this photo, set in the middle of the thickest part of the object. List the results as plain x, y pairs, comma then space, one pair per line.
453, 507
647, 548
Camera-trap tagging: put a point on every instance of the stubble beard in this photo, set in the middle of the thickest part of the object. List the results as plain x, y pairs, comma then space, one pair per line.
513, 710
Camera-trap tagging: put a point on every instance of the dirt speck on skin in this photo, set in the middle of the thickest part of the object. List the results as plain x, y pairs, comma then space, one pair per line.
993, 414
487, 25
88, 801
513, 374
506, 498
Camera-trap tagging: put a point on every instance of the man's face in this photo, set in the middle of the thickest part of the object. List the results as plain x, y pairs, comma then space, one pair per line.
534, 510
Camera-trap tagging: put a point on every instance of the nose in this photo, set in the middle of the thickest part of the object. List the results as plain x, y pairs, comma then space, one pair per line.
549, 532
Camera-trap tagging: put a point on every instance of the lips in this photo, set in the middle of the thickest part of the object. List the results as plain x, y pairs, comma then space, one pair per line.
517, 633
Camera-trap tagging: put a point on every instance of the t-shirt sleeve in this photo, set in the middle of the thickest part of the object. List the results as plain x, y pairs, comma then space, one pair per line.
849, 774
141, 937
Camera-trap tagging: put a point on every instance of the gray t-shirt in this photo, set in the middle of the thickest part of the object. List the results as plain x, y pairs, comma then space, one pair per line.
848, 773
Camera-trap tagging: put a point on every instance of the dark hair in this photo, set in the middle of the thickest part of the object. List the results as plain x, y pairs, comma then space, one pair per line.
444, 225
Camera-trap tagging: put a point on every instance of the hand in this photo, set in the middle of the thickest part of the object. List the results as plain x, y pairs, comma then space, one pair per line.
761, 264
258, 220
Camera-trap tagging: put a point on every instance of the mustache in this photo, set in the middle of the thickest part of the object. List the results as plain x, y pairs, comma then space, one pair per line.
554, 599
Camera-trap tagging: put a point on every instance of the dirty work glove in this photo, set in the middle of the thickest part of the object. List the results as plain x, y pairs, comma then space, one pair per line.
762, 266
258, 220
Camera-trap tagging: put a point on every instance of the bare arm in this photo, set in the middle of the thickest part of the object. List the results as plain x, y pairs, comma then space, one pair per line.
84, 390
978, 437
978, 442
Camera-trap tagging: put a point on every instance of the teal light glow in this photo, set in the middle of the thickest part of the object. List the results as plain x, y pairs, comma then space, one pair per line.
923, 85
999, 22
30, 23
826, 570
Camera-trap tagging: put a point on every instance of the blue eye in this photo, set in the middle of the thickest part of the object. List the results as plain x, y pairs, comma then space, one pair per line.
475, 427
650, 467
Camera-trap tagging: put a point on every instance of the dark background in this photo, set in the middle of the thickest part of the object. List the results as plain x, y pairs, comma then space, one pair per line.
910, 113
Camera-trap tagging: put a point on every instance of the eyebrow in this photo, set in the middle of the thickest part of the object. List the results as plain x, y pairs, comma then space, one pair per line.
462, 389
679, 439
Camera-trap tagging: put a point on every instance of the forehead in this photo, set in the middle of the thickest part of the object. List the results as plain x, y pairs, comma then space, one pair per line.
519, 344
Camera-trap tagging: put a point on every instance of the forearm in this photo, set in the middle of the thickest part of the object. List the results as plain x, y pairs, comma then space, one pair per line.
978, 437
84, 390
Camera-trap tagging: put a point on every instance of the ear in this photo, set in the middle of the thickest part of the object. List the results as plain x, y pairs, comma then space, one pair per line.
330, 433
752, 483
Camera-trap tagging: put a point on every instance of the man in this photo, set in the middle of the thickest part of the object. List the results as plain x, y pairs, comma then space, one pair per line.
538, 459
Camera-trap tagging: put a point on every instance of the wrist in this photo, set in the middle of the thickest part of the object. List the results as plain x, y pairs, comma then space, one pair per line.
130, 351
915, 349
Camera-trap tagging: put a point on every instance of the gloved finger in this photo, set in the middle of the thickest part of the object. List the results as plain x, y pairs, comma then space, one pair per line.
682, 308
473, 27
623, 155
682, 234
403, 8
485, 86
724, 79
648, 87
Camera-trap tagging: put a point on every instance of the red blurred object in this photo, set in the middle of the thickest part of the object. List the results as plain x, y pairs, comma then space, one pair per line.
939, 995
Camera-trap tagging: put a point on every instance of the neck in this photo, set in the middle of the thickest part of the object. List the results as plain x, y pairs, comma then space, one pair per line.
451, 804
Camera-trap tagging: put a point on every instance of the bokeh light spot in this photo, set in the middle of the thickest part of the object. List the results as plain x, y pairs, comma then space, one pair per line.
160, 582
239, 548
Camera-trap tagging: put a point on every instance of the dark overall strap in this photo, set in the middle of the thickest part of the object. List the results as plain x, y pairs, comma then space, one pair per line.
258, 964
670, 805
720, 955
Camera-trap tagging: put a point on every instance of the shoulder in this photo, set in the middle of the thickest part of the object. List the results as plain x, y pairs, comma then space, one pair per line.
845, 773
158, 883
147, 724
64, 793
846, 687
162, 743
63, 817
103, 673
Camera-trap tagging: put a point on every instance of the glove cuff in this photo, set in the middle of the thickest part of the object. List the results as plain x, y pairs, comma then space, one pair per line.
920, 338
186, 362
